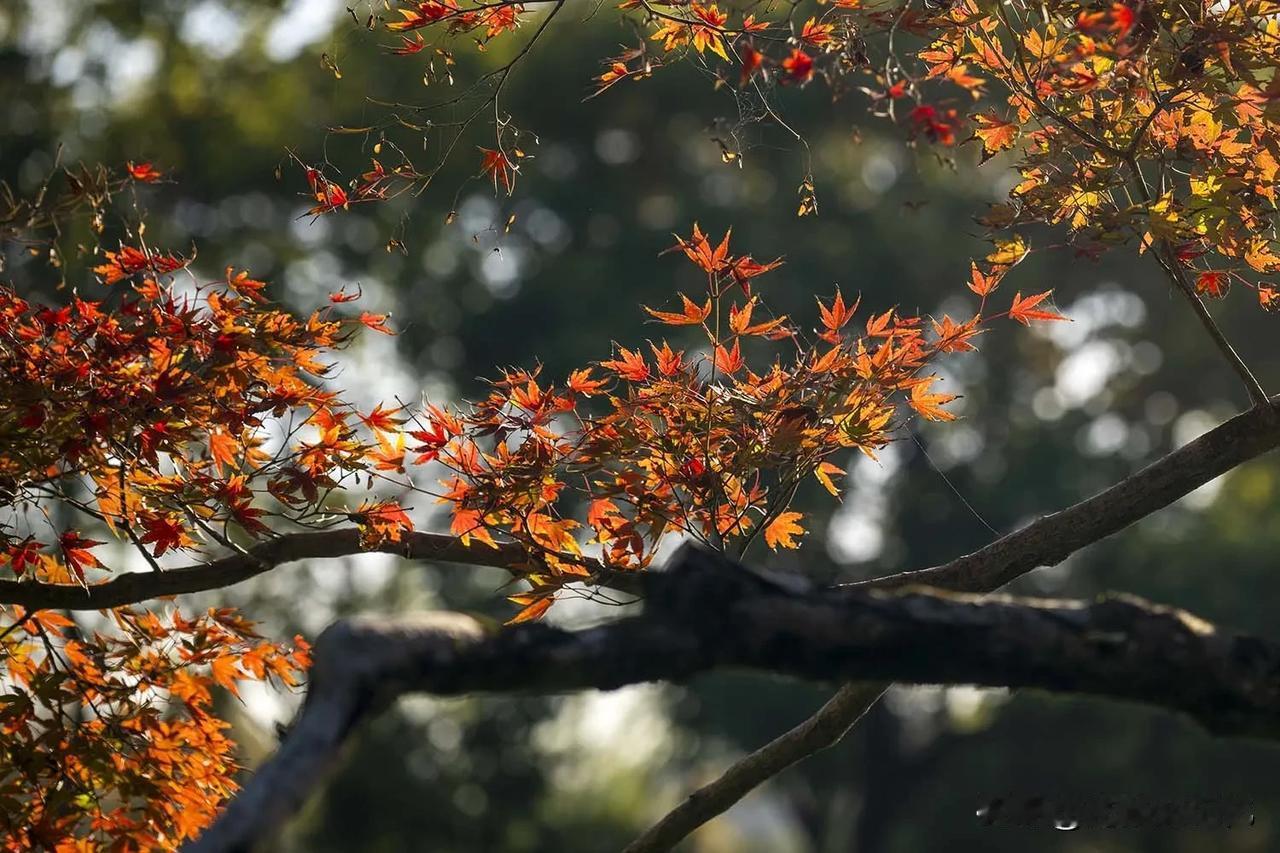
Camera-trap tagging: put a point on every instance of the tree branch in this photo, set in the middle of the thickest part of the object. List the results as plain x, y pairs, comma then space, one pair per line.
1045, 542
819, 731
136, 587
708, 612
1178, 278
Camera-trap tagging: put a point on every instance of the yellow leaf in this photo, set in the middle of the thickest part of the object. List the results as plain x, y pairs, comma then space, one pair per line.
824, 472
1009, 252
533, 612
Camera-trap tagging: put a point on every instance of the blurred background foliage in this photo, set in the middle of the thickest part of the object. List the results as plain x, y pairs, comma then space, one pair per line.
229, 95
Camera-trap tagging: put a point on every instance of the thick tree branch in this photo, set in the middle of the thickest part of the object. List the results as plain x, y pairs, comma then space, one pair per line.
708, 612
135, 587
1045, 542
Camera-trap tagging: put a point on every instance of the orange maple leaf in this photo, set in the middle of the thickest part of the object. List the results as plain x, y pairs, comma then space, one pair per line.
630, 366
377, 322
930, 405
783, 531
995, 133
1024, 310
692, 315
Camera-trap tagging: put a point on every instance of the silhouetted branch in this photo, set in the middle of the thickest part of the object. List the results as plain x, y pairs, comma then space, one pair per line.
136, 587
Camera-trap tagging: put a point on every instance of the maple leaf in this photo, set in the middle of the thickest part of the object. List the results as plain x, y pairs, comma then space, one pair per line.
745, 268
954, 337
468, 524
144, 172
1024, 310
499, 168
693, 314
669, 361
222, 450
328, 195
342, 296
245, 286
164, 532
783, 531
433, 439
630, 366
709, 36
835, 317
996, 134
383, 420
983, 283
729, 361
225, 672
1119, 19
798, 66
824, 472
698, 249
379, 522
615, 71
930, 405
500, 19
740, 321
23, 553
408, 46
1008, 252
423, 14
388, 456
377, 322
130, 261
581, 382
534, 609
1213, 283
938, 126
672, 34
816, 34
75, 552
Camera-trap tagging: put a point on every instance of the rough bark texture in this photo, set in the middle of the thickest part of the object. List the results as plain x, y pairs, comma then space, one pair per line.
707, 612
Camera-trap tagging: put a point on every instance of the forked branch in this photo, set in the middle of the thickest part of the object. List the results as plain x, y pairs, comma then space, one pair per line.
708, 612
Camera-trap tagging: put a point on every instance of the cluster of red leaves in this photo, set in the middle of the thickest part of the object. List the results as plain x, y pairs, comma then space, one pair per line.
378, 183
493, 18
176, 416
1078, 92
158, 406
108, 739
709, 444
